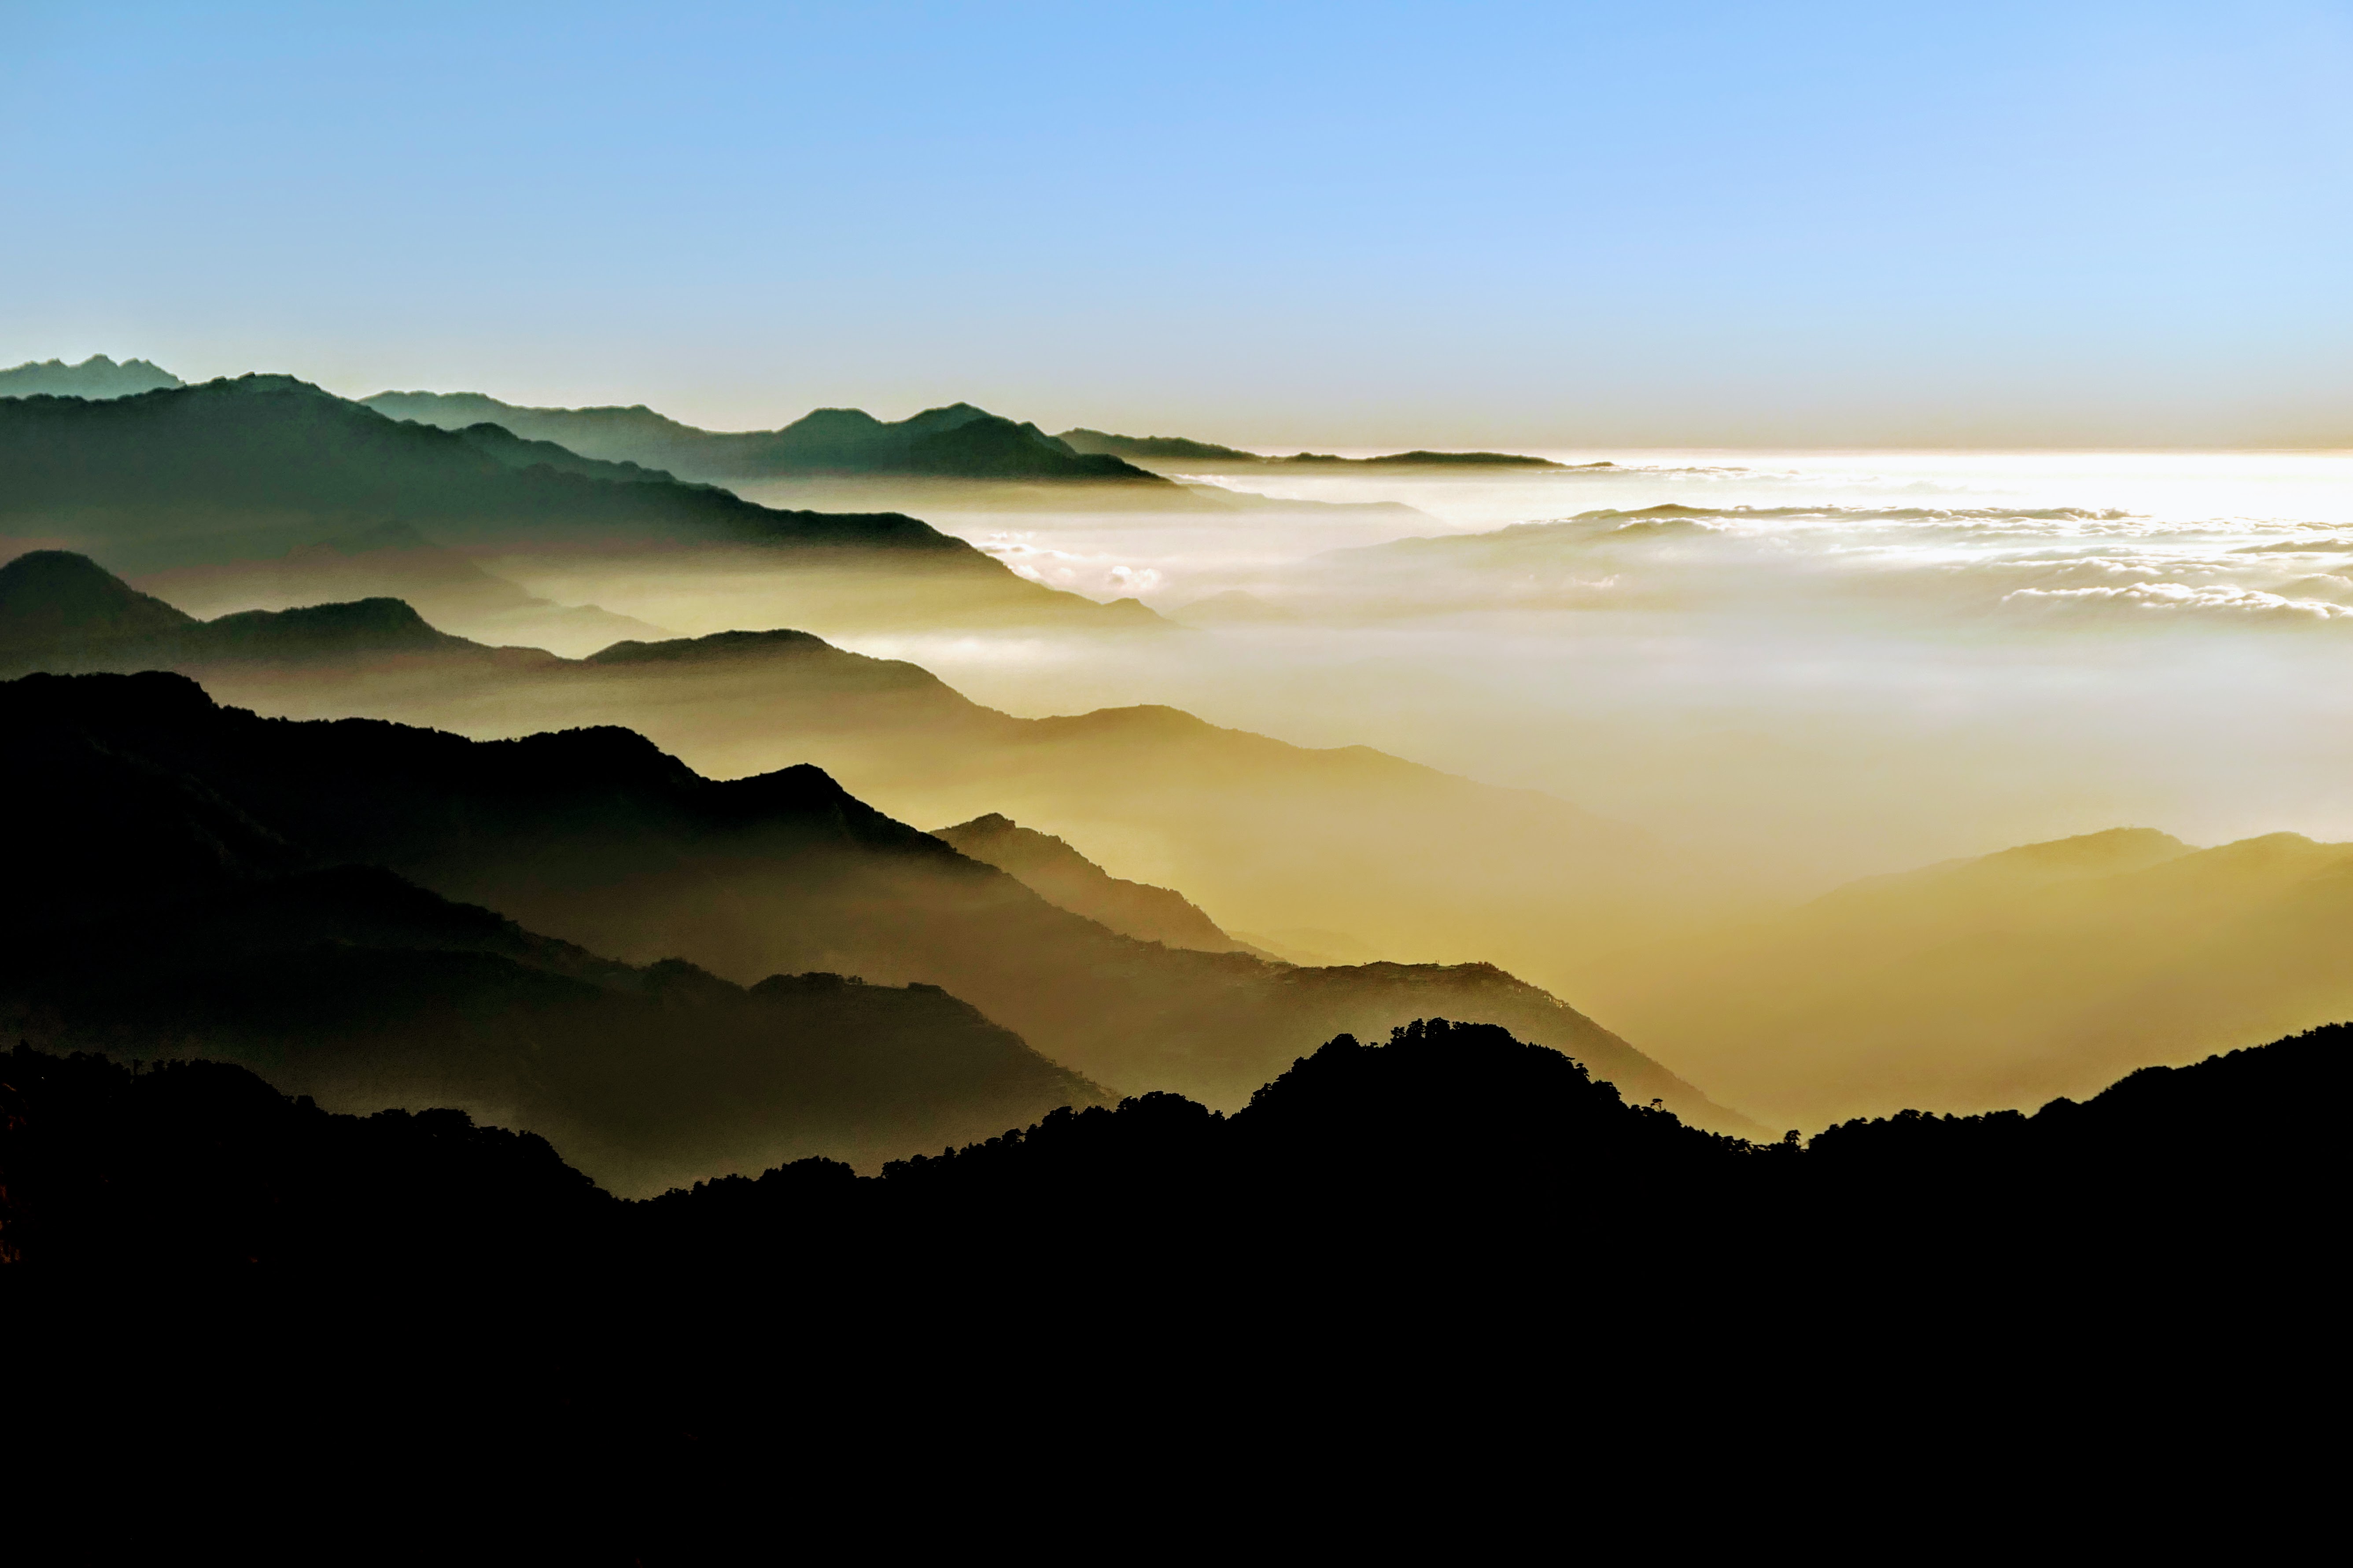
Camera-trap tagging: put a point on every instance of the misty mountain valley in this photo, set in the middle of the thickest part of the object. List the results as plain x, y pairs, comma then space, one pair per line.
822, 782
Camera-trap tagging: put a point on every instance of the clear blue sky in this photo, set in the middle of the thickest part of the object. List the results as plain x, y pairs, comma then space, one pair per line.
1553, 224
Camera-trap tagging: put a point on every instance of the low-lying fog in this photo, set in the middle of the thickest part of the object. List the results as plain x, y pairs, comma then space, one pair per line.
1820, 665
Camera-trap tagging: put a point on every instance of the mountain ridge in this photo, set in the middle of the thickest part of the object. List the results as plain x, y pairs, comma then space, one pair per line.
957, 441
246, 469
1181, 449
2035, 972
95, 377
1056, 872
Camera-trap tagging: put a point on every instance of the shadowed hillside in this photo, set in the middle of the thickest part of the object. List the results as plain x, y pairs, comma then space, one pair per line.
597, 837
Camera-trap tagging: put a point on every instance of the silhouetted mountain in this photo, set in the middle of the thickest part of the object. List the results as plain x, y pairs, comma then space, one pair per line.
193, 1165
2045, 970
96, 376
1448, 1207
1447, 1140
1365, 1136
595, 837
1391, 857
959, 441
1068, 880
1206, 454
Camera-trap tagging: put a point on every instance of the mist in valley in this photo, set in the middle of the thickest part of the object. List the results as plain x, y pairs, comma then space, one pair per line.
1612, 721
1818, 668
736, 735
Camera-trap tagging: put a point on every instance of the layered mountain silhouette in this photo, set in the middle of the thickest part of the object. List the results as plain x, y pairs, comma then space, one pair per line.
362, 990
154, 916
1376, 853
393, 561
958, 441
1062, 877
2005, 979
250, 468
96, 376
1178, 449
595, 837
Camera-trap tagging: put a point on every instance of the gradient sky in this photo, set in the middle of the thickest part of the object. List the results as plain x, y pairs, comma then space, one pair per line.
1546, 225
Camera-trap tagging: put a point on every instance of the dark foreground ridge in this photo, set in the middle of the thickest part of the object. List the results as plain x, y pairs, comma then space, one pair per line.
1446, 1252
1448, 1140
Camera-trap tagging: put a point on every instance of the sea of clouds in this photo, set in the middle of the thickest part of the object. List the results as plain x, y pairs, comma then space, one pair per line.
1815, 665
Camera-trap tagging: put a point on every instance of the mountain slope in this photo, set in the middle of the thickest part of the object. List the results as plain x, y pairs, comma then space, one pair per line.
2046, 970
1069, 881
96, 376
597, 837
151, 916
1396, 859
959, 441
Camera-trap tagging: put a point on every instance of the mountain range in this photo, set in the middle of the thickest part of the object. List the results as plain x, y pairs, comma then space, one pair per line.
595, 838
230, 478
2003, 979
958, 441
96, 376
1380, 856
1208, 454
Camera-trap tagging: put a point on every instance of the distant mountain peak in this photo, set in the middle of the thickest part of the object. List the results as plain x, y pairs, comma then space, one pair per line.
716, 646
369, 625
96, 377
